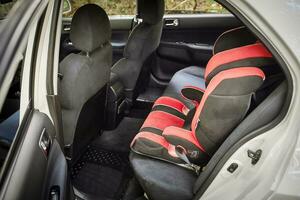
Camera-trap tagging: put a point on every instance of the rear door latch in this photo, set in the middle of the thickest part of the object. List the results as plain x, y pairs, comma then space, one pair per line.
255, 156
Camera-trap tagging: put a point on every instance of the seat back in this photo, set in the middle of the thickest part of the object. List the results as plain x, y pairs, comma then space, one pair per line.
232, 77
224, 105
142, 42
233, 38
85, 77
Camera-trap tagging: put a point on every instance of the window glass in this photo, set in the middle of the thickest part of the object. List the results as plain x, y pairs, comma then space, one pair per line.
5, 8
112, 7
193, 7
10, 115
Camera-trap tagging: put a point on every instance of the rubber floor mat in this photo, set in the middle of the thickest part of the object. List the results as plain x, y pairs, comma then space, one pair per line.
101, 173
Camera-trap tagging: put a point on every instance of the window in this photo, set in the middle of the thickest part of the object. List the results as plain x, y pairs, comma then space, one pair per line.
5, 8
128, 7
193, 7
112, 7
10, 115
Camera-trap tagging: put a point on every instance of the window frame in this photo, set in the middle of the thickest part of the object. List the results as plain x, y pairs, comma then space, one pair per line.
14, 36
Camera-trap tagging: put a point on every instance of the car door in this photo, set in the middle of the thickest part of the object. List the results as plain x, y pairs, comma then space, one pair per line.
121, 16
189, 32
35, 166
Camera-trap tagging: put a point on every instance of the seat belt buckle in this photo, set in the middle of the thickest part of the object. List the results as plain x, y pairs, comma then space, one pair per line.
181, 153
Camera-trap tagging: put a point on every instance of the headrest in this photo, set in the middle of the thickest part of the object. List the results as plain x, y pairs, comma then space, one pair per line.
254, 55
234, 38
151, 11
90, 28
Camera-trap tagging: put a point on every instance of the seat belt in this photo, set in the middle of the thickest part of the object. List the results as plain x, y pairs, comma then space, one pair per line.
180, 152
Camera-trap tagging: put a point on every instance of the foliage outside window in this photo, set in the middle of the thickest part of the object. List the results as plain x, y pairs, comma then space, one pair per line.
5, 8
112, 7
193, 7
128, 7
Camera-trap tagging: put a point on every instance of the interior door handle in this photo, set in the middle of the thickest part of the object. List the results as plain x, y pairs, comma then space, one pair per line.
66, 27
54, 193
45, 142
172, 22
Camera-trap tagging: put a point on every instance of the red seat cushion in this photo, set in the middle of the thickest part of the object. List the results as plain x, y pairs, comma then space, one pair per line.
160, 120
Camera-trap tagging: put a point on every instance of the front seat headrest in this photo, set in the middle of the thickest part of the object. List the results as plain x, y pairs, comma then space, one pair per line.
90, 28
151, 11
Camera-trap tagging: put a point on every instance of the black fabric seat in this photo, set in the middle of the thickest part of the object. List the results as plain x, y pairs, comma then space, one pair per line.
163, 181
85, 77
142, 42
160, 179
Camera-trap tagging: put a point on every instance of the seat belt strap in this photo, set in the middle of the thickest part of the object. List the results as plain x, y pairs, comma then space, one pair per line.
181, 154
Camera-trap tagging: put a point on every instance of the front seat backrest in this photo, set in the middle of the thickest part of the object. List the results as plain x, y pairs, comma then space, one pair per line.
142, 42
85, 76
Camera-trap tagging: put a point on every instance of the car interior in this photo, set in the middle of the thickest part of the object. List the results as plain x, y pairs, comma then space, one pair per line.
150, 105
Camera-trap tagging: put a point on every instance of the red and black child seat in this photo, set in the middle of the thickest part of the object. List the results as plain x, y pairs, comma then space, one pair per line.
231, 77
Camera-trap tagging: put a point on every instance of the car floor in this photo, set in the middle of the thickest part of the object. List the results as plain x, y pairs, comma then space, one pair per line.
103, 170
150, 94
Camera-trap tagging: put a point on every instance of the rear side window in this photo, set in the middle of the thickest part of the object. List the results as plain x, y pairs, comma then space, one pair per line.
111, 7
10, 115
193, 7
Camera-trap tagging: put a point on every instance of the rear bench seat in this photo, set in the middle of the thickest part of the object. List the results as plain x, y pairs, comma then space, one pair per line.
197, 113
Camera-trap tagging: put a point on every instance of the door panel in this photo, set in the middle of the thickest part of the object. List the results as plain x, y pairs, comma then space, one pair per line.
120, 26
38, 153
188, 40
34, 167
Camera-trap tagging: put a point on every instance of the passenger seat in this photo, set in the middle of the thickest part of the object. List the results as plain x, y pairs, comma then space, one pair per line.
85, 78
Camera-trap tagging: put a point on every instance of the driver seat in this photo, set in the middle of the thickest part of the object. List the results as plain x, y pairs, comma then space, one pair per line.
142, 42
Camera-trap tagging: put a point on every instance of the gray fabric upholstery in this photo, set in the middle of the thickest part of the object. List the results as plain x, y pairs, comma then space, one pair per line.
151, 11
84, 75
90, 28
190, 76
142, 42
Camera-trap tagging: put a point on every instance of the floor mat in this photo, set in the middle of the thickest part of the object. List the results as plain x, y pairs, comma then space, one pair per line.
101, 173
120, 138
